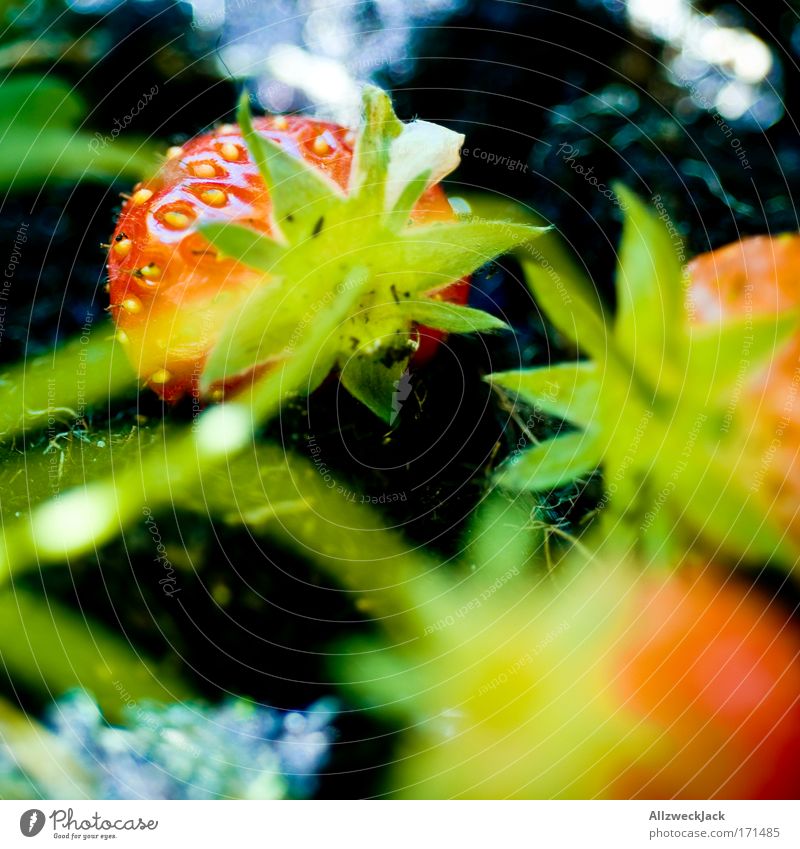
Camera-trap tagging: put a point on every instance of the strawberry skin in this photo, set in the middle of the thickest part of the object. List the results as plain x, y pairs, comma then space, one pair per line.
759, 276
170, 291
713, 670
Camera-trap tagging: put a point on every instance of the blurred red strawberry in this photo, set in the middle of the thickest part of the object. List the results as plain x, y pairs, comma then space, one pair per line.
713, 669
754, 277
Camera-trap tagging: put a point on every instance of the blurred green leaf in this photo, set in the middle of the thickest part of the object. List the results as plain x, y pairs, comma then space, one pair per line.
36, 102
453, 318
569, 391
52, 649
569, 312
42, 137
66, 382
650, 321
724, 355
552, 463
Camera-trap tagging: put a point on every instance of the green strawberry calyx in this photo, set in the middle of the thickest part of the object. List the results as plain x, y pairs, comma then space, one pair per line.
353, 255
650, 403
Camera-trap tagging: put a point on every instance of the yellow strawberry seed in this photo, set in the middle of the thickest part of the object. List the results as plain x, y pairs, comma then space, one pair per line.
177, 220
122, 247
321, 146
229, 152
132, 304
204, 170
151, 271
214, 197
160, 377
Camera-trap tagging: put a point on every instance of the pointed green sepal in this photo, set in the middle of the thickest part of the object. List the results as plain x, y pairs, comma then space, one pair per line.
400, 214
452, 318
552, 464
569, 391
379, 128
439, 254
243, 244
258, 330
301, 195
382, 385
578, 319
650, 322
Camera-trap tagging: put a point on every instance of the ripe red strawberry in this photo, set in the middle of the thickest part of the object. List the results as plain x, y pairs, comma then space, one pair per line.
754, 277
170, 291
714, 672
611, 683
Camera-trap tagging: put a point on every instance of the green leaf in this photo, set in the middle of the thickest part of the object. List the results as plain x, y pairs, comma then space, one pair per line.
380, 126
382, 387
64, 383
301, 195
723, 357
37, 102
243, 244
552, 463
441, 315
569, 391
38, 120
570, 313
52, 648
548, 256
439, 254
650, 317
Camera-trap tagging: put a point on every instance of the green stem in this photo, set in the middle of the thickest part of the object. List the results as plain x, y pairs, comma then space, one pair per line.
60, 386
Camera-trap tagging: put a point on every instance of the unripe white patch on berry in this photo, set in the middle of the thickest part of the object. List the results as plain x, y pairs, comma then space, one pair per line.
223, 430
77, 521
